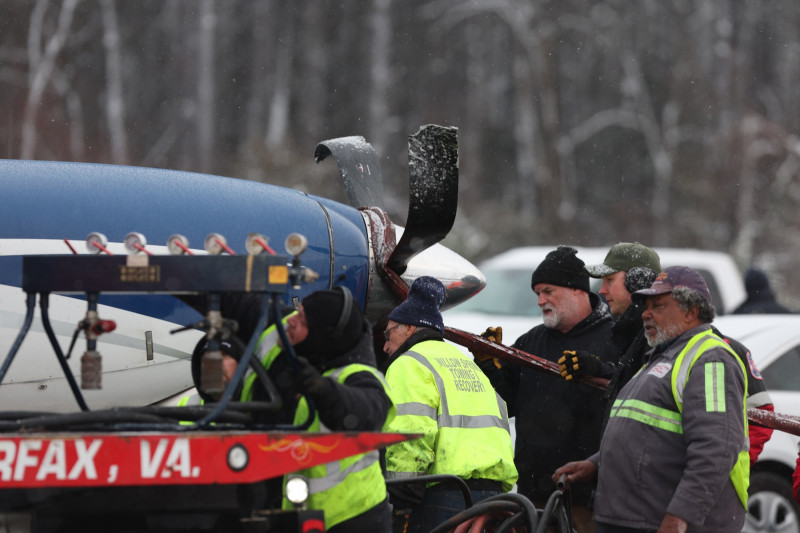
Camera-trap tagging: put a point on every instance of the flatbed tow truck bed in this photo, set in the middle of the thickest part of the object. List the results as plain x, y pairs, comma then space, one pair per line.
157, 468
153, 481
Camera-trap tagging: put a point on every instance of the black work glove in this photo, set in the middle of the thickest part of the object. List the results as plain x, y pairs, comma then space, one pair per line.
578, 363
308, 381
494, 335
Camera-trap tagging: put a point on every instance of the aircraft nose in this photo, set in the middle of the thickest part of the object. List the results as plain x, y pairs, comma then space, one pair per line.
464, 289
461, 279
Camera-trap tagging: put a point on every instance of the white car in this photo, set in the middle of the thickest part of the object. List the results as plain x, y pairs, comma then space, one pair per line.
774, 342
508, 301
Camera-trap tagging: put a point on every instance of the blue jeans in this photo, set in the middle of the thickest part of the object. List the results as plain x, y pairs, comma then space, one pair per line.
439, 505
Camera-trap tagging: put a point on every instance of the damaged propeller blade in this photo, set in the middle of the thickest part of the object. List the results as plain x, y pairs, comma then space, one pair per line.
358, 167
433, 192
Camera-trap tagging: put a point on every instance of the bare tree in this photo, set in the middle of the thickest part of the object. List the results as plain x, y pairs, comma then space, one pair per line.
42, 63
278, 122
206, 84
380, 74
115, 102
260, 54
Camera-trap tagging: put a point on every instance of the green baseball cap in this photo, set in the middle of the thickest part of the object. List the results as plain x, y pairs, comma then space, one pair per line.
625, 256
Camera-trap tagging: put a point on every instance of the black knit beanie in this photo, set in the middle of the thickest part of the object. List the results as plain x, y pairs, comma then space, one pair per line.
421, 307
323, 311
756, 282
563, 268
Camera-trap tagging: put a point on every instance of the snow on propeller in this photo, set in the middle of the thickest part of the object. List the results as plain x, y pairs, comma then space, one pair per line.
51, 207
782, 422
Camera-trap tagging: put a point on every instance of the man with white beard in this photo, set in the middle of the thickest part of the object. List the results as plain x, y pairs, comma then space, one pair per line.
556, 421
674, 453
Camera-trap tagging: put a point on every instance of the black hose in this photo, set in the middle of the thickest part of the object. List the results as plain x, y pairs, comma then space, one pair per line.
522, 510
238, 376
289, 351
511, 521
16, 415
564, 521
525, 503
44, 303
482, 507
87, 418
276, 404
234, 414
552, 502
30, 304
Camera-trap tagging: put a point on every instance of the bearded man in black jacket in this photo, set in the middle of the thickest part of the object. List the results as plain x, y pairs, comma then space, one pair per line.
554, 419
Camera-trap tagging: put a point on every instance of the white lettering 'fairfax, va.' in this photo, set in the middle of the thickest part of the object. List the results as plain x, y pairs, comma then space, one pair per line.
16, 460
178, 460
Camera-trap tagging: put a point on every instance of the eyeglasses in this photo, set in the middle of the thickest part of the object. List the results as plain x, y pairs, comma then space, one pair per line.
388, 332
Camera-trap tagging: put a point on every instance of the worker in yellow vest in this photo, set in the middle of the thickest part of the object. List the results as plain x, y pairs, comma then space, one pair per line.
336, 360
335, 368
441, 393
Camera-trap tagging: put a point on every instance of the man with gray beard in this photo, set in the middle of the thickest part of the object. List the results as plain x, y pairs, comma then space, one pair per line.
556, 421
674, 453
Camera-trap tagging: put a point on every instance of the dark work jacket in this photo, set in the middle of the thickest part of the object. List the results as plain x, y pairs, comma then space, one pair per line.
556, 421
360, 404
761, 303
628, 336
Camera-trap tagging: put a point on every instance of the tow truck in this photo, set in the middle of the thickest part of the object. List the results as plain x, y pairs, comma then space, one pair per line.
162, 468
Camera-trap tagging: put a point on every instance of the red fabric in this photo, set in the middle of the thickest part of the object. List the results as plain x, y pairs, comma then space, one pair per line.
796, 480
759, 436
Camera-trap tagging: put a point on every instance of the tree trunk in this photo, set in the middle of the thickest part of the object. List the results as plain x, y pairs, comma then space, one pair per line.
41, 66
206, 85
278, 123
380, 75
115, 102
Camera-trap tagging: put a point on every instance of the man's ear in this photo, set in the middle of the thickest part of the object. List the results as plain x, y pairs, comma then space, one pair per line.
692, 314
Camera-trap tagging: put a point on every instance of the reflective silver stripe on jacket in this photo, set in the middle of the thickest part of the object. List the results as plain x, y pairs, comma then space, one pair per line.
403, 475
446, 419
688, 360
264, 346
194, 399
334, 476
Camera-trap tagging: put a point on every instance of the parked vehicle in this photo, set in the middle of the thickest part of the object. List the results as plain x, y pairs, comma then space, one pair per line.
774, 342
507, 299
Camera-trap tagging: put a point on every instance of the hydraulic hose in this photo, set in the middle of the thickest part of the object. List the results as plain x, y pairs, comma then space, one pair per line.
520, 507
241, 368
289, 350
44, 303
483, 507
30, 303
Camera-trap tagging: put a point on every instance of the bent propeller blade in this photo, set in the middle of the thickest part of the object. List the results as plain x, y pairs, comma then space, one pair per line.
433, 192
358, 167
